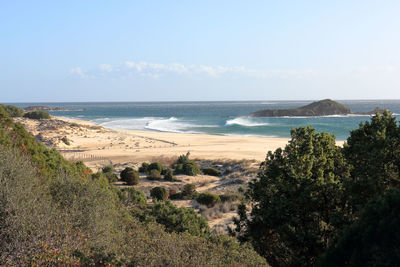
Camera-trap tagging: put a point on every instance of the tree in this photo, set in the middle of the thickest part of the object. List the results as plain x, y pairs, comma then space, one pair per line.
296, 199
373, 150
124, 172
373, 240
130, 176
186, 166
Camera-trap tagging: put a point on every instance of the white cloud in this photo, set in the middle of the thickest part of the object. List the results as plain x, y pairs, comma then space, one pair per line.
106, 67
78, 71
157, 70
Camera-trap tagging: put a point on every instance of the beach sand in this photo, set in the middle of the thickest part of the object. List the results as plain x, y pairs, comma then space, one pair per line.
95, 144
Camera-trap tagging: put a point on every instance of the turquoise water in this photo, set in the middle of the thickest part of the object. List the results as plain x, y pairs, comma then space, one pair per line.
221, 118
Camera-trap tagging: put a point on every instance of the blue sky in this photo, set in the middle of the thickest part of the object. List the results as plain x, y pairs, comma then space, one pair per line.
198, 50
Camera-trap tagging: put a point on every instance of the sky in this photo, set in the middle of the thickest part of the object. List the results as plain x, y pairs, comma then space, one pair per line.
68, 51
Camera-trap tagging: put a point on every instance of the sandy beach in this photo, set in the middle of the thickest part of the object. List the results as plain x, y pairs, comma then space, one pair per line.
96, 144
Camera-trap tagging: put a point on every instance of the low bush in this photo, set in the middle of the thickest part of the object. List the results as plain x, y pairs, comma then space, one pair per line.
159, 193
211, 171
129, 176
37, 115
108, 172
144, 168
13, 111
186, 166
154, 175
108, 168
155, 166
131, 197
168, 175
231, 197
208, 199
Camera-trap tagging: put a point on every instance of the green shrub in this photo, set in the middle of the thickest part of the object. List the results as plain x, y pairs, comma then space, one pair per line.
144, 168
108, 168
131, 196
159, 193
131, 177
168, 175
155, 166
231, 197
37, 115
65, 141
208, 199
211, 171
186, 166
122, 174
188, 191
13, 111
154, 175
180, 219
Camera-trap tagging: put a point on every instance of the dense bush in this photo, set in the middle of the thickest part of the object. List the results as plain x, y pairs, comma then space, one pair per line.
122, 174
186, 166
208, 199
144, 168
154, 175
155, 166
130, 196
159, 193
108, 172
169, 174
232, 197
211, 171
180, 219
12, 111
37, 115
131, 177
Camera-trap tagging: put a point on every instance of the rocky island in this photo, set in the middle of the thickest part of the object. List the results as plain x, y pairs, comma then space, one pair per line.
324, 107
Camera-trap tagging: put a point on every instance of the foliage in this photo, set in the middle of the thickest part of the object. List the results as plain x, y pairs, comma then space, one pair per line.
169, 174
373, 239
108, 172
373, 150
159, 193
296, 199
154, 175
144, 168
155, 166
132, 197
232, 197
12, 111
37, 115
186, 166
130, 176
208, 199
211, 171
180, 219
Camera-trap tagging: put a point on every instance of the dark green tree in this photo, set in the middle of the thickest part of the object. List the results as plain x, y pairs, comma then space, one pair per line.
374, 238
373, 150
297, 200
159, 193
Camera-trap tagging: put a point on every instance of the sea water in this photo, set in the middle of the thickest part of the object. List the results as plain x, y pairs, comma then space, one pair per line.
219, 118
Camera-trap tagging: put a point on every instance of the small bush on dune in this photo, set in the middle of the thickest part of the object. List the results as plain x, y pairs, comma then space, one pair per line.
155, 166
123, 173
13, 111
144, 168
108, 172
131, 177
231, 197
186, 166
208, 199
154, 175
169, 175
159, 193
37, 115
211, 171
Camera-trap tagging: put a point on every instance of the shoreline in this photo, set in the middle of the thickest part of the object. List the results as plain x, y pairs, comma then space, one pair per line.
97, 144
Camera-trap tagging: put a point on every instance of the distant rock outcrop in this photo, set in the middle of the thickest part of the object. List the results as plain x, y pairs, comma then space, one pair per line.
320, 108
46, 108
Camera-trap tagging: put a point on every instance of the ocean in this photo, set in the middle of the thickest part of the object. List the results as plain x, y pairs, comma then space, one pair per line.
219, 118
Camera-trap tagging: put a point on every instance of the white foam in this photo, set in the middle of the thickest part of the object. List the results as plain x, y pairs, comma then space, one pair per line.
246, 121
